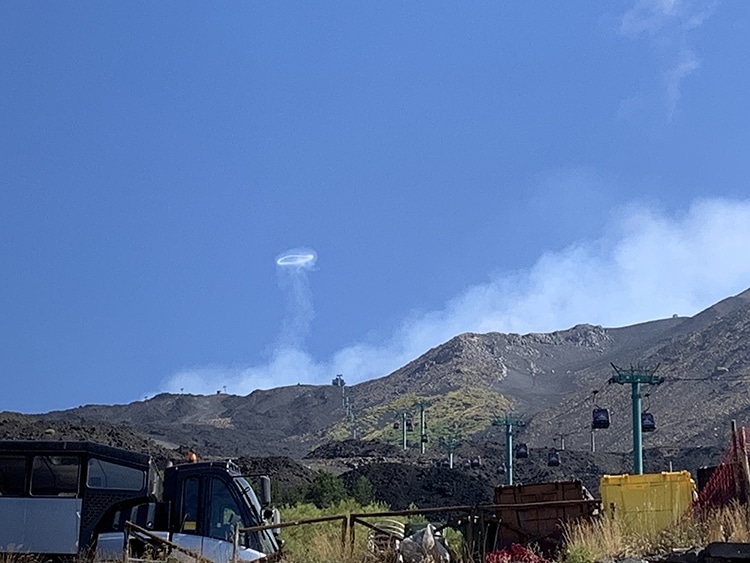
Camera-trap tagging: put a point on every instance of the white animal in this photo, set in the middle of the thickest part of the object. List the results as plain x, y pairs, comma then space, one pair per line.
422, 547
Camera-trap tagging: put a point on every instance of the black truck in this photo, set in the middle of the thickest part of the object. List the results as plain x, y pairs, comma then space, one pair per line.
72, 499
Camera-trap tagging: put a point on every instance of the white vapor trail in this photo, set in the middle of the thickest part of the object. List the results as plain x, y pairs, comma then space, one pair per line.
648, 265
292, 268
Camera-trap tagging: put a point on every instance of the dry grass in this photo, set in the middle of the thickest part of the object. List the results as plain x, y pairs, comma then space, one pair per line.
321, 542
583, 541
607, 537
327, 549
18, 558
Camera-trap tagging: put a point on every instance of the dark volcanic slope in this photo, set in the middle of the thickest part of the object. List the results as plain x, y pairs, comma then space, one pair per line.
547, 379
264, 423
14, 426
707, 379
533, 368
425, 484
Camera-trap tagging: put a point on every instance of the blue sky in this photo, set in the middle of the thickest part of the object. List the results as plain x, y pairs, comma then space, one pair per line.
452, 167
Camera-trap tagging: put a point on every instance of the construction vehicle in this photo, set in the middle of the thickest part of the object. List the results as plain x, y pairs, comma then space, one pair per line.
70, 500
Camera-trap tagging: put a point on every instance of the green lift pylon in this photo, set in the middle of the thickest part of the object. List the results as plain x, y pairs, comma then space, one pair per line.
404, 418
422, 425
509, 421
450, 443
636, 376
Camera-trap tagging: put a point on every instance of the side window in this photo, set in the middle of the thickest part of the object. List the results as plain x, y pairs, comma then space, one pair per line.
12, 475
55, 475
225, 513
189, 517
107, 475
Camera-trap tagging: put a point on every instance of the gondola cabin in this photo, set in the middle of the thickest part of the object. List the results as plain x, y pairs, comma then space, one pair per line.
648, 424
600, 419
553, 458
522, 451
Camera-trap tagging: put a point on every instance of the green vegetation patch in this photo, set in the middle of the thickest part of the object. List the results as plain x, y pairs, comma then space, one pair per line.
454, 414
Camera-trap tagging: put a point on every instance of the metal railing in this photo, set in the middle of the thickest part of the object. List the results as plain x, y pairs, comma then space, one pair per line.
134, 531
474, 520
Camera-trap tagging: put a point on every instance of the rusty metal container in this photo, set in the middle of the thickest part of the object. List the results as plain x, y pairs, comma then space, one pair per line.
534, 513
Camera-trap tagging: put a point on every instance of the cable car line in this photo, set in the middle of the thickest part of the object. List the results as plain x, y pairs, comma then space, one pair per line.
708, 378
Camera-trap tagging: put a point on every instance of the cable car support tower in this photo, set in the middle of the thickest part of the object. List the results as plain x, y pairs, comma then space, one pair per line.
636, 376
509, 421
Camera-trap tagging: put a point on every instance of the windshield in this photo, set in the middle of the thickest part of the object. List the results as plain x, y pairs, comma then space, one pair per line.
249, 493
267, 540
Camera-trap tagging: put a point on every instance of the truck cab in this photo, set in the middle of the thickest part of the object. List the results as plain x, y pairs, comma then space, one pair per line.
208, 501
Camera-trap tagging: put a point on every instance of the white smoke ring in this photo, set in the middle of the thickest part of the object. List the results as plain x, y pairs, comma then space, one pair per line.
297, 258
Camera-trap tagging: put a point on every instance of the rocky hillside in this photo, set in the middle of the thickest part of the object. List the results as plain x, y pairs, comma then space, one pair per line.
258, 424
466, 385
705, 364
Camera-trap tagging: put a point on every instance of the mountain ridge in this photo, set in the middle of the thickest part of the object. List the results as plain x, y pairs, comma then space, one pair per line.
468, 382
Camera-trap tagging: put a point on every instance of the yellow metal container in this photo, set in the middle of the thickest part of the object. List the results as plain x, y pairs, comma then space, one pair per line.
647, 503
